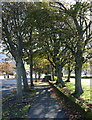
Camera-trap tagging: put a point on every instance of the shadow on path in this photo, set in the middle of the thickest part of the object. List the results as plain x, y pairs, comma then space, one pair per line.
45, 104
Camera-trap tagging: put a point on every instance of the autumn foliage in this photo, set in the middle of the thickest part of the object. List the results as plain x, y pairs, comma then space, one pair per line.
7, 67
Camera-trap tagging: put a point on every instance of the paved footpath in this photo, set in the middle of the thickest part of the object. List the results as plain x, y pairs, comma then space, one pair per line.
45, 104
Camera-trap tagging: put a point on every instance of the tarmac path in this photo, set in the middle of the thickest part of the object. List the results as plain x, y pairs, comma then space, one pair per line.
45, 104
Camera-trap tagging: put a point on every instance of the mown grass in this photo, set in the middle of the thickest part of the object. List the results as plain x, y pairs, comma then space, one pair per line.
85, 86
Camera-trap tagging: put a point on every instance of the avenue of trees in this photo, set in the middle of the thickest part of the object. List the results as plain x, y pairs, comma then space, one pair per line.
55, 34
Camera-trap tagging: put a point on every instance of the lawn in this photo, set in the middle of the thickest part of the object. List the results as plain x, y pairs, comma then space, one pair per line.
86, 88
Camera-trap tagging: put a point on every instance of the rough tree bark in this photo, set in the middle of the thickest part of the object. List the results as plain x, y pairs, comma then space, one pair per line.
52, 69
31, 59
25, 83
19, 82
39, 75
69, 74
31, 68
78, 69
59, 75
35, 74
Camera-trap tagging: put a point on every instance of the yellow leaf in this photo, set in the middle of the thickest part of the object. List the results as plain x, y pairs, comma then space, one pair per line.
57, 54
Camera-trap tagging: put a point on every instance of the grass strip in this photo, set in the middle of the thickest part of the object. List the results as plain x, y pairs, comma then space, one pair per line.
74, 101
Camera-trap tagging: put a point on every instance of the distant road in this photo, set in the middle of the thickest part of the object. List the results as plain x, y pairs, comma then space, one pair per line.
8, 85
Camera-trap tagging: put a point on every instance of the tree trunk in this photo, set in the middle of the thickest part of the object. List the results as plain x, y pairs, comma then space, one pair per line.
52, 73
7, 75
31, 68
78, 70
19, 82
7, 71
25, 83
39, 75
31, 59
56, 72
4, 75
49, 69
59, 75
69, 73
35, 74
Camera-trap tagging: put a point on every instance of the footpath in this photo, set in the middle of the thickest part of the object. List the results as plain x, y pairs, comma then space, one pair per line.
45, 104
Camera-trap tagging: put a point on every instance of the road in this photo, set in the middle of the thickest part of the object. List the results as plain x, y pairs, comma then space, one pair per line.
7, 86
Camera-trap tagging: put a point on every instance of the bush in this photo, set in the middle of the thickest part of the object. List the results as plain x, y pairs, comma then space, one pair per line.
11, 73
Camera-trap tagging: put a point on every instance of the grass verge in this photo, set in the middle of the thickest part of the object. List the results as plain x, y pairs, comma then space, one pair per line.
84, 109
86, 88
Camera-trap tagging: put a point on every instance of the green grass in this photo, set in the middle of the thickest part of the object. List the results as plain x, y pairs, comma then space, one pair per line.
74, 101
85, 85
86, 89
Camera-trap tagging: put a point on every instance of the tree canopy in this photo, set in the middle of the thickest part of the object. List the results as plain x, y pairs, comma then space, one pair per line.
54, 34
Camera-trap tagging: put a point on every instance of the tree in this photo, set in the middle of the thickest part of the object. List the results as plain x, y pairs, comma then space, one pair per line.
70, 66
40, 63
48, 36
13, 18
82, 36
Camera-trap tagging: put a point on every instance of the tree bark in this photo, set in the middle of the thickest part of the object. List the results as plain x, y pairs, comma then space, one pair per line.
35, 76
31, 59
25, 83
49, 69
78, 70
39, 75
69, 73
7, 75
31, 68
35, 73
56, 73
59, 75
19, 82
52, 73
